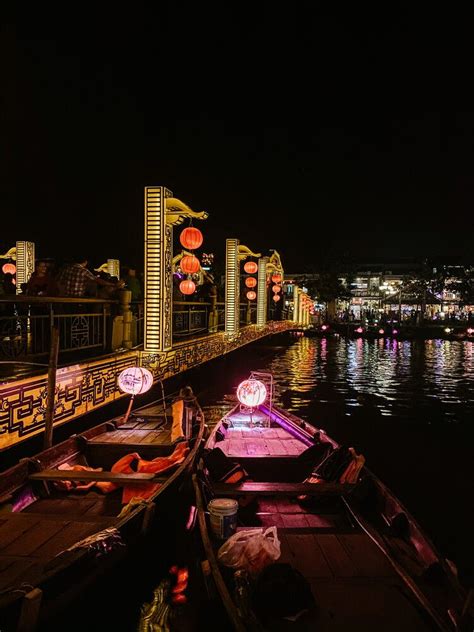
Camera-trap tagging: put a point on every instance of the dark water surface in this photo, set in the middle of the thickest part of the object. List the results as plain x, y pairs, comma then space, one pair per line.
408, 406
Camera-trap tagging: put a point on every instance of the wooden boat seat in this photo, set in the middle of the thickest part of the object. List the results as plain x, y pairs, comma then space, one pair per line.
136, 478
282, 489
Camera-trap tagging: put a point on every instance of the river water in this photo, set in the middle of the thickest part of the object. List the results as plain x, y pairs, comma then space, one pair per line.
408, 406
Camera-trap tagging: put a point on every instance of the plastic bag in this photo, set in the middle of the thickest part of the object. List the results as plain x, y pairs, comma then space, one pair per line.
252, 550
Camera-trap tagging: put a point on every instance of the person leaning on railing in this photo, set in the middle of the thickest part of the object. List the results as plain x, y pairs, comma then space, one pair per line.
74, 279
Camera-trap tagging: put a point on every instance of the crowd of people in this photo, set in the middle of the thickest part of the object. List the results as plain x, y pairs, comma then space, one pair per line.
74, 280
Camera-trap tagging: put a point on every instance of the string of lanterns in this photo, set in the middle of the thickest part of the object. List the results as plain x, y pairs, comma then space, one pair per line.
251, 267
190, 238
276, 278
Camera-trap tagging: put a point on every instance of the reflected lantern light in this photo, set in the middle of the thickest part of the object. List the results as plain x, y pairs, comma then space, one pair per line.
251, 393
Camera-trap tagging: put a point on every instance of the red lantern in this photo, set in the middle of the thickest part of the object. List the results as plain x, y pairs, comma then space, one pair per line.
187, 287
250, 281
250, 267
9, 268
191, 238
276, 288
190, 264
276, 278
276, 298
251, 295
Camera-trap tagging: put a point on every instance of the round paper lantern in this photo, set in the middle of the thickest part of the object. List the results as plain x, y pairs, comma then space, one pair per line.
251, 393
250, 267
250, 281
276, 298
190, 264
276, 278
276, 288
135, 380
251, 295
187, 287
191, 238
9, 268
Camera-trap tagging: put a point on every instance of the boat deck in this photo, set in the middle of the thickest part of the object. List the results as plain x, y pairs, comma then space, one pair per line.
143, 428
245, 442
354, 584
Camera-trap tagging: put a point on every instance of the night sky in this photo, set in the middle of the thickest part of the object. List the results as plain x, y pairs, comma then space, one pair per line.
312, 131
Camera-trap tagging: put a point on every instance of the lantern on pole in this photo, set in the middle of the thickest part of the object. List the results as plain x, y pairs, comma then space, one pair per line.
134, 380
191, 238
276, 278
251, 393
190, 264
251, 295
250, 267
250, 281
9, 268
276, 289
276, 298
187, 287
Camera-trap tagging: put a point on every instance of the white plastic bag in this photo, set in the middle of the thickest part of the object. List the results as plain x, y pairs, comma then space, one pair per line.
252, 549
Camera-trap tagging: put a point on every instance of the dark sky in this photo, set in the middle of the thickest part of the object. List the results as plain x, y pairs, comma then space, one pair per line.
312, 131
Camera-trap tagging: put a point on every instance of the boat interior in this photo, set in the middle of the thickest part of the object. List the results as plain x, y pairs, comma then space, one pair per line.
353, 581
45, 510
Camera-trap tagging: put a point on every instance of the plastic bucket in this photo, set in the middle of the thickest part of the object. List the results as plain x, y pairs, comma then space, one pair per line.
223, 517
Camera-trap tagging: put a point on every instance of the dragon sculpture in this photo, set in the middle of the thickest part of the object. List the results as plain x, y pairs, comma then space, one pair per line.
177, 211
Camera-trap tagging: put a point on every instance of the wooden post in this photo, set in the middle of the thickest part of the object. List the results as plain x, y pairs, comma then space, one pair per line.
53, 365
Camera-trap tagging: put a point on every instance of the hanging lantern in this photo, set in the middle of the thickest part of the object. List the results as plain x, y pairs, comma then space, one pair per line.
135, 380
251, 393
9, 268
276, 298
276, 278
250, 267
191, 238
250, 281
276, 288
187, 287
251, 295
190, 264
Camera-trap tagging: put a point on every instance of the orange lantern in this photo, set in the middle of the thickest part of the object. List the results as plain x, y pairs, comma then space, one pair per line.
9, 268
250, 281
276, 298
276, 278
191, 238
250, 267
251, 295
190, 264
187, 287
276, 288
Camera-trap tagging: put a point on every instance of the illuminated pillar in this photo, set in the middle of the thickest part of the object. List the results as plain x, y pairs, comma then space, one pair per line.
158, 273
113, 267
232, 287
262, 292
296, 300
25, 262
300, 306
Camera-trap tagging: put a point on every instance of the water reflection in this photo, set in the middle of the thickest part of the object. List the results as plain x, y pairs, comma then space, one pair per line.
411, 380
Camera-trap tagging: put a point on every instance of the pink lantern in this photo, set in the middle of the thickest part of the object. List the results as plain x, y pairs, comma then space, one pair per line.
250, 267
276, 298
276, 288
381, 331
359, 330
135, 380
251, 393
250, 281
190, 264
191, 238
251, 296
9, 268
187, 287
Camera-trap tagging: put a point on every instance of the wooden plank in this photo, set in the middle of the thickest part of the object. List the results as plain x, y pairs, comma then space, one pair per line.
15, 527
294, 520
366, 556
71, 533
276, 447
71, 475
30, 609
282, 489
336, 556
35, 537
307, 555
14, 571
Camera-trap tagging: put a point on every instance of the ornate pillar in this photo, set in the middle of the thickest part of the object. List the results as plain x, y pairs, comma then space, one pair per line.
232, 287
295, 302
25, 262
158, 274
113, 267
262, 292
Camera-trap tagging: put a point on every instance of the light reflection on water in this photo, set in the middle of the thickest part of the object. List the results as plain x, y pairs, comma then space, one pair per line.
410, 380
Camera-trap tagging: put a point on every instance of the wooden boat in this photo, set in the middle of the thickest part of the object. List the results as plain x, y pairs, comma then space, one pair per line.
54, 543
366, 560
